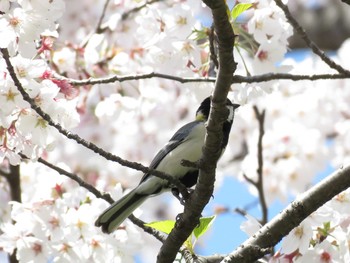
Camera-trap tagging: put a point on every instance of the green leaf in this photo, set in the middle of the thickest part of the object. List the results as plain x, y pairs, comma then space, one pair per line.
167, 225
239, 9
204, 225
163, 226
326, 230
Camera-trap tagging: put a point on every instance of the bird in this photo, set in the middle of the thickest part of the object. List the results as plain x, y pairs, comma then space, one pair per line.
185, 144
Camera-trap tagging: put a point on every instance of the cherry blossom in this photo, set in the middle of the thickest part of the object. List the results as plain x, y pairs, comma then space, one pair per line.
51, 42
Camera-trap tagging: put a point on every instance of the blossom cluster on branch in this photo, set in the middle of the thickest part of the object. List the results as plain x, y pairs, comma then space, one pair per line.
52, 45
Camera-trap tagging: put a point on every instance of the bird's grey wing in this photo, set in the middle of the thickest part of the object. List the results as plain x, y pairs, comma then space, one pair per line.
175, 141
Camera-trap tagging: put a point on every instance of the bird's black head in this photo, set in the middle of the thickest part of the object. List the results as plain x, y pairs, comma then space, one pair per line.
202, 113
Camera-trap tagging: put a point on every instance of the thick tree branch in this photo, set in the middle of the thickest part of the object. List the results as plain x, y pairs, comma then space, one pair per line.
309, 42
271, 233
79, 140
14, 180
211, 150
13, 177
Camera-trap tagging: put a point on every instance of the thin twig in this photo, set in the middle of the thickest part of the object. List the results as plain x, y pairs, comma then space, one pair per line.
308, 41
260, 116
248, 179
79, 140
236, 78
259, 183
98, 194
138, 8
115, 78
285, 76
99, 28
75, 178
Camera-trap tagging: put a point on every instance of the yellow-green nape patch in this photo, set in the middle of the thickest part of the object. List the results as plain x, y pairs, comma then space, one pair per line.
200, 116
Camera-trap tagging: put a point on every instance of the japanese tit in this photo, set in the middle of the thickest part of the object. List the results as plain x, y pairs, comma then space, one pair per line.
186, 144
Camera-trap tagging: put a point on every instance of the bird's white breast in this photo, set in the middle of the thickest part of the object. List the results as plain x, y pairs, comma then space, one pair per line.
190, 149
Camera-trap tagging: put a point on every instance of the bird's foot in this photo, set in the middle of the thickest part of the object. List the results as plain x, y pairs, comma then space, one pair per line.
181, 199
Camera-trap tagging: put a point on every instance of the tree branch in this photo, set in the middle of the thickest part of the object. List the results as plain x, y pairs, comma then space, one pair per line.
346, 1
285, 76
260, 116
138, 8
271, 233
211, 150
236, 78
99, 28
13, 177
259, 183
14, 180
98, 194
158, 235
79, 140
309, 42
115, 78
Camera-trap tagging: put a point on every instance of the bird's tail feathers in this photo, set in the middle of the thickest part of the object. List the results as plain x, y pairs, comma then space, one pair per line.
114, 215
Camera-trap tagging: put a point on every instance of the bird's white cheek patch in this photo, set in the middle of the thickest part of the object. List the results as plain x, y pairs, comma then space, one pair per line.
231, 113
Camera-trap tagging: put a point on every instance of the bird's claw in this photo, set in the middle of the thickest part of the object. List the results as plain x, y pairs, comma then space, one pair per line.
181, 199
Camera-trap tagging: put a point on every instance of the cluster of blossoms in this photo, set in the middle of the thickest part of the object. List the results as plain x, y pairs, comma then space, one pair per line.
56, 223
322, 237
271, 31
21, 129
